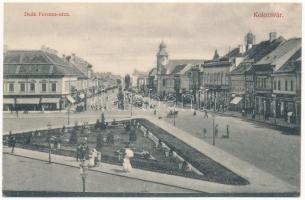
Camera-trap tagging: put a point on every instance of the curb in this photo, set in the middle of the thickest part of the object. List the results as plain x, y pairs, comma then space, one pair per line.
114, 174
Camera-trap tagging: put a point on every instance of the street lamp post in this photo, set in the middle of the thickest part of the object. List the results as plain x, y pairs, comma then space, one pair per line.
149, 97
213, 128
174, 116
199, 92
83, 173
69, 107
50, 153
131, 102
51, 143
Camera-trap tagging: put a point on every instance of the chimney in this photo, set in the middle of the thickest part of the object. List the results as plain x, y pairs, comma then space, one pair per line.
272, 36
241, 49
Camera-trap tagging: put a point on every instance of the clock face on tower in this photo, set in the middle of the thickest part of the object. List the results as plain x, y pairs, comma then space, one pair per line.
163, 61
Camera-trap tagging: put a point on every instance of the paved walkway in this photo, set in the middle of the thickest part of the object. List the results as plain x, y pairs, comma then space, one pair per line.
260, 181
26, 174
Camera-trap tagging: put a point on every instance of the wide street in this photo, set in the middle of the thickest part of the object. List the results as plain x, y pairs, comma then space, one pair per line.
24, 174
271, 150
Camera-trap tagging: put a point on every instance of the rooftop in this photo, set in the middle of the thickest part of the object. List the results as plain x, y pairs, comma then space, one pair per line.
37, 62
176, 65
279, 56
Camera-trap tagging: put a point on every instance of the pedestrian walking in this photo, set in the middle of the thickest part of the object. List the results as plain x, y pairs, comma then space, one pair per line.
9, 139
204, 132
205, 114
13, 143
78, 149
227, 131
126, 162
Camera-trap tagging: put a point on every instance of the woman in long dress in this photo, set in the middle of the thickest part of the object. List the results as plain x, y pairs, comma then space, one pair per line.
92, 157
126, 161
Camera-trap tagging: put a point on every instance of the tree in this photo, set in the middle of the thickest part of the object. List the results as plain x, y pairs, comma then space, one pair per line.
132, 134
99, 140
127, 81
73, 137
120, 99
118, 81
103, 123
110, 138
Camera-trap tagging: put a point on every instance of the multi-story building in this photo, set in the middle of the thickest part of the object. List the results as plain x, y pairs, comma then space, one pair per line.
215, 79
172, 74
37, 80
89, 83
152, 80
263, 70
242, 77
140, 80
286, 96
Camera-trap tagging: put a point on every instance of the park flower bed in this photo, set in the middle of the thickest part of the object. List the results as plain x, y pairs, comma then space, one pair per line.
110, 138
212, 170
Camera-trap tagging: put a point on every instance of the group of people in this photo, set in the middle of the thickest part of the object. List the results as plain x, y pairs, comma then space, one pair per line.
82, 152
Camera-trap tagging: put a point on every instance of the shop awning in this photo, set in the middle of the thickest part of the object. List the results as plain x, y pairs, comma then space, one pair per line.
8, 101
236, 100
71, 99
82, 96
50, 100
27, 101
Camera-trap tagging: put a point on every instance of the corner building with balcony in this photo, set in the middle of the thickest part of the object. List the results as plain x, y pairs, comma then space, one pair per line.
37, 80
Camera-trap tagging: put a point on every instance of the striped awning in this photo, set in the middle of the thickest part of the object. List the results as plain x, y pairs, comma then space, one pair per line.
82, 96
27, 101
8, 101
236, 100
50, 100
71, 99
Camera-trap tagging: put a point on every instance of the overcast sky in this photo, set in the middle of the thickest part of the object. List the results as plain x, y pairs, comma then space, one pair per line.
122, 37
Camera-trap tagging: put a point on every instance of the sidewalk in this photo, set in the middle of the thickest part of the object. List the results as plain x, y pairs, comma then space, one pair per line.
274, 122
279, 123
260, 181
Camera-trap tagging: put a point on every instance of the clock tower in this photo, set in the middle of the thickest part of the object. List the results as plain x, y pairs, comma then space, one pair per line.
162, 58
162, 61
